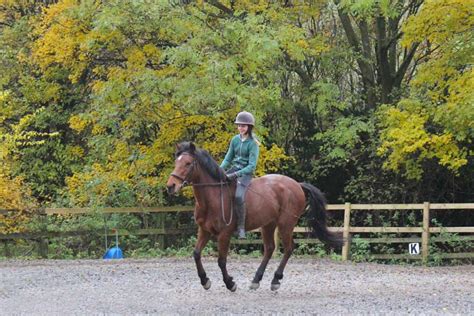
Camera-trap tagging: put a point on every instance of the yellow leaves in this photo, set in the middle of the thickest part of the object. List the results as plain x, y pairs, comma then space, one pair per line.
14, 193
61, 37
6, 108
121, 153
457, 114
98, 129
271, 160
404, 135
444, 28
302, 43
407, 143
289, 36
447, 151
152, 52
318, 45
135, 58
10, 192
4, 95
14, 196
297, 10
438, 20
54, 12
22, 136
249, 6
461, 88
76, 151
77, 123
76, 184
8, 3
298, 46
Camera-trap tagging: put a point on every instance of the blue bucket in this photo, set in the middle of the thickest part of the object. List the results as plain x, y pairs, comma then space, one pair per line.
114, 252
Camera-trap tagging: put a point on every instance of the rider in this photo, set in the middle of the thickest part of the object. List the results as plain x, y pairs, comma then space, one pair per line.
240, 163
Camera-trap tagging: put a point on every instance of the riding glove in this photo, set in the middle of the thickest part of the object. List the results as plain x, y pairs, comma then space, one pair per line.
231, 176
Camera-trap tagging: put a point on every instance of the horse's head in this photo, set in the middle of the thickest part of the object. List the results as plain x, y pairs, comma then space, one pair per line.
184, 166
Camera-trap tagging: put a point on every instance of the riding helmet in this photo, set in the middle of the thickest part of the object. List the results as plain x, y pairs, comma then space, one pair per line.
245, 118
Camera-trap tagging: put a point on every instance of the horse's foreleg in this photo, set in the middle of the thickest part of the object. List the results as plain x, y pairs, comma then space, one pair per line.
203, 238
288, 246
268, 248
223, 247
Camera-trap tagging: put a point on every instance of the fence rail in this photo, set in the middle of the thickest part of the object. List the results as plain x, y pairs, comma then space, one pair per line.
347, 230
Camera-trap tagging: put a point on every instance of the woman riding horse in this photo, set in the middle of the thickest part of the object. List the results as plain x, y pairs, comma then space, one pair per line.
271, 201
241, 157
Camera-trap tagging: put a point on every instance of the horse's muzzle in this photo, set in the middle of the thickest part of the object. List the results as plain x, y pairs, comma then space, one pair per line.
171, 189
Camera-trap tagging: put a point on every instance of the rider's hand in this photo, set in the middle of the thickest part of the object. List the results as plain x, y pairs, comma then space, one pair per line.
231, 176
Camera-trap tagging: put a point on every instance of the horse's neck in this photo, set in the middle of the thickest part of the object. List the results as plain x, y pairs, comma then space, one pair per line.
206, 195
204, 192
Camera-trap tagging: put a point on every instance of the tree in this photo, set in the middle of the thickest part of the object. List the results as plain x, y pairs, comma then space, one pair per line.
435, 123
373, 30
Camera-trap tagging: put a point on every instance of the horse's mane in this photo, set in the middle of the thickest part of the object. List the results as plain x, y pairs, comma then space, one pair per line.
204, 159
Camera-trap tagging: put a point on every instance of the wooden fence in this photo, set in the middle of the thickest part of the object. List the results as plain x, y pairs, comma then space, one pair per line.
425, 231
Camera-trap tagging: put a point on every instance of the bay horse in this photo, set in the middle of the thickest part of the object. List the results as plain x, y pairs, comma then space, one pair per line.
271, 201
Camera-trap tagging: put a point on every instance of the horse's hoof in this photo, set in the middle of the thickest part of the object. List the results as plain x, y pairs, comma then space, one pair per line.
233, 288
207, 286
275, 287
254, 286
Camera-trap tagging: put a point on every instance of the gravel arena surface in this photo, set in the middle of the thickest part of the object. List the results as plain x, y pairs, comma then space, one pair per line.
171, 286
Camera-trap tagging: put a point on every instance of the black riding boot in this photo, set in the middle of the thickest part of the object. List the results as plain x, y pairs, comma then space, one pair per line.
240, 220
242, 184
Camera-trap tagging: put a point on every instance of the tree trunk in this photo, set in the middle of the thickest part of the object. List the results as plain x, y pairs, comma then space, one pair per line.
377, 59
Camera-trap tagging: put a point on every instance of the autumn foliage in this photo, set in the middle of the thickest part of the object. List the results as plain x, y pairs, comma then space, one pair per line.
348, 95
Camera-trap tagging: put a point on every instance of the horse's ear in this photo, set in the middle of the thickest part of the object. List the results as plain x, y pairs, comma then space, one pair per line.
178, 147
192, 147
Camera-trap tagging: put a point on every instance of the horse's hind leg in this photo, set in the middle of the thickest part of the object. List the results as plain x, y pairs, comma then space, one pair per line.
203, 238
268, 248
223, 247
286, 233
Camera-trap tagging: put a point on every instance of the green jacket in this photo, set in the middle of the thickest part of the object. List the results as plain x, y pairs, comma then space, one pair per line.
242, 155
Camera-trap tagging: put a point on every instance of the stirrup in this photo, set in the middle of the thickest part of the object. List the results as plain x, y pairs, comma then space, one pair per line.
241, 233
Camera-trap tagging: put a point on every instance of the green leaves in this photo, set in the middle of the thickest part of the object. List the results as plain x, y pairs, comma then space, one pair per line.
342, 139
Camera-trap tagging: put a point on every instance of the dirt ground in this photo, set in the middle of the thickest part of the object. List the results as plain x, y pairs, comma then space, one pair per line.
171, 286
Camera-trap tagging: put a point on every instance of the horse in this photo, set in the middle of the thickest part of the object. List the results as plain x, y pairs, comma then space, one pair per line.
271, 201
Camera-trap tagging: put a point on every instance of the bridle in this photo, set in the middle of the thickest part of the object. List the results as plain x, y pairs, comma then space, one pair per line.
185, 182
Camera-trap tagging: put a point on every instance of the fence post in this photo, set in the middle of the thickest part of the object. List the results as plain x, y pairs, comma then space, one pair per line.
43, 242
161, 222
425, 235
346, 232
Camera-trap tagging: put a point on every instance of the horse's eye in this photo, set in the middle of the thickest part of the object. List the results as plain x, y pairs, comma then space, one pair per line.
188, 164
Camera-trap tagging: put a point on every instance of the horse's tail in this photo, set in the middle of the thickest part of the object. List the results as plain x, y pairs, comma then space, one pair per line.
317, 216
